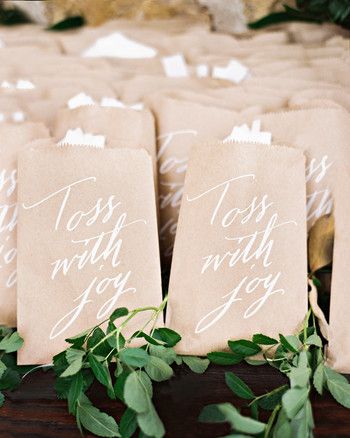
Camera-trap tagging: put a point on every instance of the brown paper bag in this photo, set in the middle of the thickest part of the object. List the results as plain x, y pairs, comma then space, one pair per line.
338, 352
179, 125
122, 127
341, 97
323, 134
240, 249
135, 89
13, 138
235, 98
88, 242
58, 95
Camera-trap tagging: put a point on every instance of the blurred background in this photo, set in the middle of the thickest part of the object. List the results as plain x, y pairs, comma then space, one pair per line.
225, 15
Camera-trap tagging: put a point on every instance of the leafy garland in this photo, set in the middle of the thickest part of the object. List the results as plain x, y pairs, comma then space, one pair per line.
128, 372
301, 359
90, 357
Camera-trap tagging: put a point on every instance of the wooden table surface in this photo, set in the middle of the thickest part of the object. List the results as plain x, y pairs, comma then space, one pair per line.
33, 411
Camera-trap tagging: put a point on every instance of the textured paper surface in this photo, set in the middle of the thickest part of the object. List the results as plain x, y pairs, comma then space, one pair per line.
12, 140
180, 125
338, 352
87, 242
121, 127
239, 265
323, 133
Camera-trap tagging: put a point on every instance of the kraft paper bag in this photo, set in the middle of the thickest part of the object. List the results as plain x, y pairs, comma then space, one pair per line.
180, 124
11, 110
122, 127
341, 97
135, 89
323, 134
322, 73
309, 34
88, 243
230, 98
240, 249
285, 86
66, 95
338, 352
13, 139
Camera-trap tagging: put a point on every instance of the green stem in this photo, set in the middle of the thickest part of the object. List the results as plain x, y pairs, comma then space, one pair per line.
274, 391
271, 421
133, 313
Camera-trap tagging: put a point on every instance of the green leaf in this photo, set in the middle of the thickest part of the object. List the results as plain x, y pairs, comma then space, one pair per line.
94, 420
290, 343
120, 383
102, 374
254, 410
302, 424
78, 340
254, 362
150, 423
119, 313
225, 412
148, 338
166, 353
2, 398
178, 360
314, 340
12, 16
73, 354
112, 340
285, 367
213, 414
11, 343
299, 424
273, 398
238, 387
128, 423
170, 337
68, 23
73, 368
319, 378
138, 391
158, 369
74, 392
224, 358
196, 364
282, 428
134, 357
293, 400
244, 348
62, 386
338, 386
97, 336
299, 376
60, 363
316, 282
119, 368
261, 339
309, 414
3, 368
268, 20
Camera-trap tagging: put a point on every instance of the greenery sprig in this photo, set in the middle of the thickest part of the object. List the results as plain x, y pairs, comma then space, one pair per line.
10, 375
298, 357
126, 371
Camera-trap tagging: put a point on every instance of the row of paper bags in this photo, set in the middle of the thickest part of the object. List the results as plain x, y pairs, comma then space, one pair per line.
87, 237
